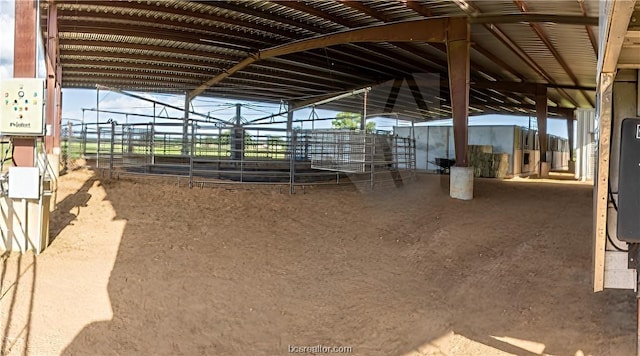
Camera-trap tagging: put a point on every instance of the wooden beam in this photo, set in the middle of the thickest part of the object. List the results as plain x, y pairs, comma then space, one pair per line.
615, 22
601, 193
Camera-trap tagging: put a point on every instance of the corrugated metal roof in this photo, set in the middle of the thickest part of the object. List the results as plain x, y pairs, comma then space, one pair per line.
142, 44
483, 37
574, 46
526, 38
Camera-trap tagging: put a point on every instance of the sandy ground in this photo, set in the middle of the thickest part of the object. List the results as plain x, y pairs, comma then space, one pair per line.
153, 269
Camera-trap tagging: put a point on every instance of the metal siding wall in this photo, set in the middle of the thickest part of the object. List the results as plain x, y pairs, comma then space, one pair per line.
437, 142
585, 144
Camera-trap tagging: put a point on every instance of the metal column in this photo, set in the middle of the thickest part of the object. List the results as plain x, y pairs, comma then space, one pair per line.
363, 119
58, 114
51, 58
458, 40
185, 125
570, 134
290, 108
237, 136
24, 65
50, 93
541, 114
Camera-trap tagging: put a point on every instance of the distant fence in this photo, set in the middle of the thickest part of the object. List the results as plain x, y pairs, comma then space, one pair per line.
209, 154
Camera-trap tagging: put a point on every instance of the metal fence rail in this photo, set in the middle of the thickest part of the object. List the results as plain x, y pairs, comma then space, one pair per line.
339, 150
242, 154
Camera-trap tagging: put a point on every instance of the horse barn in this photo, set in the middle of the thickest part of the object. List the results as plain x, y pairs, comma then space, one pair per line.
495, 151
261, 177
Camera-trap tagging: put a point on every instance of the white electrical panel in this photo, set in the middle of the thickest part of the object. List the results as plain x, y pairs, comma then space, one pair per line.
22, 107
24, 182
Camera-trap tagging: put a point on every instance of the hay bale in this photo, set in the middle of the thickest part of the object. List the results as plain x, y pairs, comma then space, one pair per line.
482, 163
480, 158
487, 164
500, 167
475, 152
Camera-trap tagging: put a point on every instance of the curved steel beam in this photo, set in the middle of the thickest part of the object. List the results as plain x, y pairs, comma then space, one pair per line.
424, 30
428, 30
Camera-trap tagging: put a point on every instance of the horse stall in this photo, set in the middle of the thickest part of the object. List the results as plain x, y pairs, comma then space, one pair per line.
497, 151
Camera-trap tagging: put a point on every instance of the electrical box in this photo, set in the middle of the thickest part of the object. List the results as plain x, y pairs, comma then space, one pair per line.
22, 107
24, 182
629, 182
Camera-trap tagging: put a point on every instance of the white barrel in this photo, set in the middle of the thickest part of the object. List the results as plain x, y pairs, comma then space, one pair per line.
461, 186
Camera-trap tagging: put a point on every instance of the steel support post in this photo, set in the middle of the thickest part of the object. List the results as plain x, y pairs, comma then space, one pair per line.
111, 144
363, 119
153, 136
290, 108
98, 127
58, 115
185, 125
98, 147
292, 162
51, 60
373, 160
237, 136
541, 115
570, 134
24, 66
192, 153
458, 41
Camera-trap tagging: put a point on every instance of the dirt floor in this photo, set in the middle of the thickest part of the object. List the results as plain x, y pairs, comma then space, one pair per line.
155, 269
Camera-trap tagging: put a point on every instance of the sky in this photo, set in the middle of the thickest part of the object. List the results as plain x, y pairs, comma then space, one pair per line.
6, 38
75, 100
